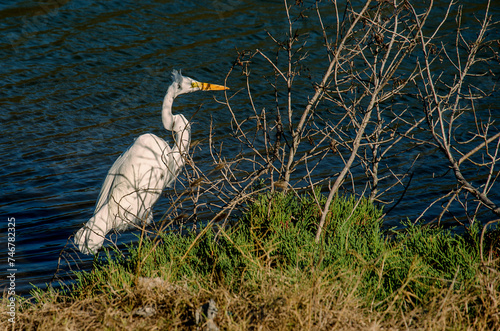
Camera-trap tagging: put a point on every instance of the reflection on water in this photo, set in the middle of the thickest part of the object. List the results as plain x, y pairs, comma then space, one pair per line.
81, 79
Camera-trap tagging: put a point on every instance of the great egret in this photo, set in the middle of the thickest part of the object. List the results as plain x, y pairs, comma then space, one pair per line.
136, 179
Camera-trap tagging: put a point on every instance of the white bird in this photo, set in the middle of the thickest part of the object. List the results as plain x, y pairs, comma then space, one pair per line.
137, 178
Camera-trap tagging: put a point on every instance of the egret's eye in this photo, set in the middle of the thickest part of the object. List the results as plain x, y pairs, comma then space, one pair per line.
194, 85
179, 86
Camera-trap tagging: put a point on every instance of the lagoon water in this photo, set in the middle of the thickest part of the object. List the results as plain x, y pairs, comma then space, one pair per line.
79, 80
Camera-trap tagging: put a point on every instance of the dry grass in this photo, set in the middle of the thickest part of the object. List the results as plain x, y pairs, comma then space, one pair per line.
279, 304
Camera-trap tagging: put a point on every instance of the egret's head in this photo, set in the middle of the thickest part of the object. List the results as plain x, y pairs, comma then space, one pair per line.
183, 84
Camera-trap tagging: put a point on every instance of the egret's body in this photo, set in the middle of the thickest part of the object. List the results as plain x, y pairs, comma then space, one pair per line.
135, 181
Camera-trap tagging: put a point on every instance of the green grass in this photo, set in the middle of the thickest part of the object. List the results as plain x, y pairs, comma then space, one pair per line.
277, 233
430, 275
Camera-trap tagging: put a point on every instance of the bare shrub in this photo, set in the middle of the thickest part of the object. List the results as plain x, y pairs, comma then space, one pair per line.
355, 127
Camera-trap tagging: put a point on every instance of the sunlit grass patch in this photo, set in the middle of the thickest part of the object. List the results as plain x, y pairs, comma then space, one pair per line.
265, 270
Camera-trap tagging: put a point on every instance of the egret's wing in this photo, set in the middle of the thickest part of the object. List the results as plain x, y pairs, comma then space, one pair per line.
131, 188
137, 178
91, 236
110, 178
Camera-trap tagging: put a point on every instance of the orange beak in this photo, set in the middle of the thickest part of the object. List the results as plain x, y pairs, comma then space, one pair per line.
209, 87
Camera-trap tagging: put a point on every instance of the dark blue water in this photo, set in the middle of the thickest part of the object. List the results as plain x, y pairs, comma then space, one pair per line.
79, 80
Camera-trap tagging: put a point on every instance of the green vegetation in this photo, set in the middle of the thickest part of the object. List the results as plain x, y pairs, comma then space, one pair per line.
266, 271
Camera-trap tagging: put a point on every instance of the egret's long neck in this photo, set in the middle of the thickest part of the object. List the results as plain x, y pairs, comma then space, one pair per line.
176, 123
166, 113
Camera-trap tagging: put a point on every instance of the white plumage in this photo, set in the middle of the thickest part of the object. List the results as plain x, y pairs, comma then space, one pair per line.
135, 181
